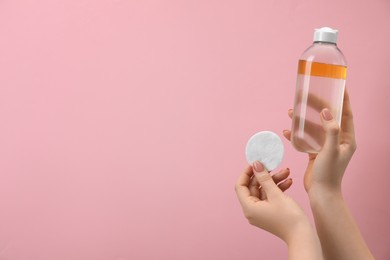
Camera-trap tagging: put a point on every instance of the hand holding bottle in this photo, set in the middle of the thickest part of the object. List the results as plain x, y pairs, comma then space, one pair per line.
338, 232
322, 70
326, 169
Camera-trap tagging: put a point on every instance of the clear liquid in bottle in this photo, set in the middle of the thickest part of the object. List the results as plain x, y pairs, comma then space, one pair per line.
320, 84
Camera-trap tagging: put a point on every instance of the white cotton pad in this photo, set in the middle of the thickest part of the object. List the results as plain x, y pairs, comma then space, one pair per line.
265, 147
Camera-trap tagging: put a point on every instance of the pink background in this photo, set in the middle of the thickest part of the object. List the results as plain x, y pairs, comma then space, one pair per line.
123, 123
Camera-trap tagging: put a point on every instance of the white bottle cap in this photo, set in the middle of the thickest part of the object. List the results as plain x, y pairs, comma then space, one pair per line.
325, 34
265, 147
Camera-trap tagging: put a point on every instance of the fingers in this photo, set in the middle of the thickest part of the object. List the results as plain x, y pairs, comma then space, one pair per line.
347, 125
265, 180
263, 196
281, 175
242, 183
331, 128
283, 186
311, 128
290, 113
287, 134
254, 187
335, 135
347, 110
279, 178
313, 101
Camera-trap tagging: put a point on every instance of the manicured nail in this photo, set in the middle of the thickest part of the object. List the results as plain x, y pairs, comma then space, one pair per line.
258, 167
327, 115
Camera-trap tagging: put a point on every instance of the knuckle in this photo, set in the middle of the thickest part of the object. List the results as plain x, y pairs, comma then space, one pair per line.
353, 147
333, 128
263, 177
248, 215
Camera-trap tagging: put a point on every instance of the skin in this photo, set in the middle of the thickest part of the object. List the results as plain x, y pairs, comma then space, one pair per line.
266, 206
338, 232
280, 179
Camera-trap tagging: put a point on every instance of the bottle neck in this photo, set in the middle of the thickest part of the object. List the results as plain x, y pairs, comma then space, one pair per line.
325, 43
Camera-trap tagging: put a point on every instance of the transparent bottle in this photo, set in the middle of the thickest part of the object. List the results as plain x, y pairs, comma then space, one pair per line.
320, 84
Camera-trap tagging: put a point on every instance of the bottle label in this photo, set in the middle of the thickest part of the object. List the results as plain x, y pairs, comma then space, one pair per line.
322, 70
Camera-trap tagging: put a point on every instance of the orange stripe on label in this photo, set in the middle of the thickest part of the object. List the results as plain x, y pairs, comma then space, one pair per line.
322, 70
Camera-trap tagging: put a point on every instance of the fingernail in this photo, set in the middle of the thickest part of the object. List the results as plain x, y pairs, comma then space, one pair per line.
327, 115
258, 167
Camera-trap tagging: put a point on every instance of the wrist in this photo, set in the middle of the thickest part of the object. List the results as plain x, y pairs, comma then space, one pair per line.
320, 191
325, 196
301, 229
304, 243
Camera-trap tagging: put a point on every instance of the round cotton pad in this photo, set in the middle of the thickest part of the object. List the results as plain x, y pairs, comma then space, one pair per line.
265, 147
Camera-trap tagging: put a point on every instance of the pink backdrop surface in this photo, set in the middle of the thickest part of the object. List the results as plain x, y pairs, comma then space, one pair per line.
123, 124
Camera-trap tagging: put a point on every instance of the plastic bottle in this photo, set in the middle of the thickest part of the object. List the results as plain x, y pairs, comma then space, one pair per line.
320, 84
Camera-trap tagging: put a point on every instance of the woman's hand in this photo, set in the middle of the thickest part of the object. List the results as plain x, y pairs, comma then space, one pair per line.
280, 178
325, 170
266, 206
339, 234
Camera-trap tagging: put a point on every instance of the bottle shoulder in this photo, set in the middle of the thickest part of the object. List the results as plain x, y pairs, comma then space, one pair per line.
324, 53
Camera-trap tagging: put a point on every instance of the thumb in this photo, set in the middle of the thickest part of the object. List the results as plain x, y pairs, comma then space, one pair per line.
332, 130
265, 180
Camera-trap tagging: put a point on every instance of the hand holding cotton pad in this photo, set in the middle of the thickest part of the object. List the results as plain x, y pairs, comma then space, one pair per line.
265, 147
